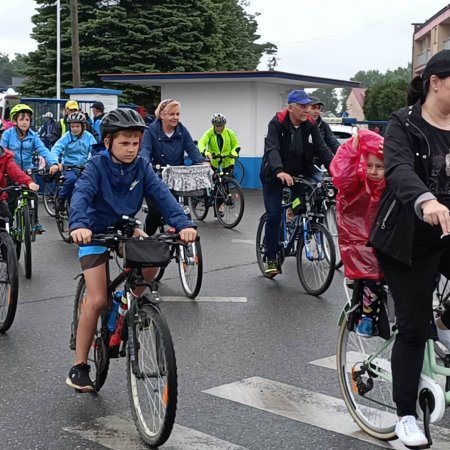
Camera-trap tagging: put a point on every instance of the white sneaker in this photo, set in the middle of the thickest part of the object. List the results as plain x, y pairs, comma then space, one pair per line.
409, 432
443, 336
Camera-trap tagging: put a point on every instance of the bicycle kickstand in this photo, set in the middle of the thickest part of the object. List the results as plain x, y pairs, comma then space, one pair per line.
426, 401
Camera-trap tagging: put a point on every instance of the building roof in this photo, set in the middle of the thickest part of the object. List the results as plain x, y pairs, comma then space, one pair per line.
359, 94
420, 26
272, 77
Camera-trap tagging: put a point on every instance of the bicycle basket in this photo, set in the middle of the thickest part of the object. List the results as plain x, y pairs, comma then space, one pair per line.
188, 180
146, 253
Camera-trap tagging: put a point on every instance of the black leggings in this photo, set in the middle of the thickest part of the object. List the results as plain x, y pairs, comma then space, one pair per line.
412, 289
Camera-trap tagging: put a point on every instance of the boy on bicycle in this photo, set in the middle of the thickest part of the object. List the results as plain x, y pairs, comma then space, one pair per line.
358, 173
73, 148
27, 146
113, 184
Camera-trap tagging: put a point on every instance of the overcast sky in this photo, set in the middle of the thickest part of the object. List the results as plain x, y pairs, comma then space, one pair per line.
333, 39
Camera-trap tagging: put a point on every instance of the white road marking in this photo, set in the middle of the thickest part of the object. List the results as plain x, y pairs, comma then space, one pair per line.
302, 405
244, 241
206, 299
119, 433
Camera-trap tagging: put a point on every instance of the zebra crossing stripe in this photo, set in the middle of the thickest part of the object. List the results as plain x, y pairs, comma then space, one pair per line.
206, 299
119, 433
312, 408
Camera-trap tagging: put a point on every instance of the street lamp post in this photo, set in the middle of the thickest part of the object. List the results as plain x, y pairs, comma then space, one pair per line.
58, 49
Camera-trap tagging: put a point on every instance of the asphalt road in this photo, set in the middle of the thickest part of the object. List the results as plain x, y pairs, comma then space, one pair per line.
244, 357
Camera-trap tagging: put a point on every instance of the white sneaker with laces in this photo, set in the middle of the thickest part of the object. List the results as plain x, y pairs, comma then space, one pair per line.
443, 336
409, 432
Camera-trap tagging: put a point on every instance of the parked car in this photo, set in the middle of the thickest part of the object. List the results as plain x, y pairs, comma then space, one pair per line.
342, 132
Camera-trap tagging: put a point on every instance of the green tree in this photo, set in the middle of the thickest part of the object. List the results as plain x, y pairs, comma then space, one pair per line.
383, 99
142, 36
329, 98
6, 70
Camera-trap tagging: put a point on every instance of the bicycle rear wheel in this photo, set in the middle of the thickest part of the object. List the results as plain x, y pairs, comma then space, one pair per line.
315, 259
49, 193
238, 171
27, 231
98, 357
9, 282
199, 206
152, 381
229, 203
367, 387
190, 264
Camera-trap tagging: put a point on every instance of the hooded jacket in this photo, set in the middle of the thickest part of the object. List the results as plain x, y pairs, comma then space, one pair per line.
276, 148
357, 204
107, 190
230, 149
10, 168
74, 150
407, 167
158, 148
327, 135
24, 150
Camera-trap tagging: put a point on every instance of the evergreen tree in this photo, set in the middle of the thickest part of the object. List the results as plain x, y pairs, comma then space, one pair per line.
329, 98
118, 36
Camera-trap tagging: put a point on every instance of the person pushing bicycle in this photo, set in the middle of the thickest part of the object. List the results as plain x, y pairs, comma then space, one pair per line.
112, 185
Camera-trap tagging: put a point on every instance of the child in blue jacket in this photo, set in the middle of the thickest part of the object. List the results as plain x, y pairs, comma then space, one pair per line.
74, 148
113, 184
27, 147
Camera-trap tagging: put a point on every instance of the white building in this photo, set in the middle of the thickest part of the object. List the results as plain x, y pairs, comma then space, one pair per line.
248, 99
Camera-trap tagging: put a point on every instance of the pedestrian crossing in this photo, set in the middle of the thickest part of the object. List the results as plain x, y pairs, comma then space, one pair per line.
280, 399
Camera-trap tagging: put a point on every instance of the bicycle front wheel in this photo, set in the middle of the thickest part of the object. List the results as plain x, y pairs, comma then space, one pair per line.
9, 282
199, 206
331, 224
229, 203
315, 258
27, 240
49, 191
62, 222
98, 357
152, 378
366, 382
190, 264
238, 171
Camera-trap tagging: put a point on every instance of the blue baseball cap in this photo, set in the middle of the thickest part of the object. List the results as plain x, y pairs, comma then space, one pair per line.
299, 96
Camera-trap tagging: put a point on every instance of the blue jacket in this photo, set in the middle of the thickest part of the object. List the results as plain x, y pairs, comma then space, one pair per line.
24, 150
74, 150
163, 150
107, 190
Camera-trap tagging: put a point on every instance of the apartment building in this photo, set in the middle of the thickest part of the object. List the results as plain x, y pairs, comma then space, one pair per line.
429, 38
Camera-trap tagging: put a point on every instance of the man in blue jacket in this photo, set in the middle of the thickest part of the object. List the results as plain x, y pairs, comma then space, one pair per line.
112, 185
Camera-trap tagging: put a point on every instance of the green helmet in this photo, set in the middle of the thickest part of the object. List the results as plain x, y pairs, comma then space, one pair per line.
20, 107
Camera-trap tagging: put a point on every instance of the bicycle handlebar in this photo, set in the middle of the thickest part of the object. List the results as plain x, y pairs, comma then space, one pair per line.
18, 190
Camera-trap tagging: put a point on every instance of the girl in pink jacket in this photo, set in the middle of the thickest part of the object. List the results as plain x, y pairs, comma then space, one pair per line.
358, 173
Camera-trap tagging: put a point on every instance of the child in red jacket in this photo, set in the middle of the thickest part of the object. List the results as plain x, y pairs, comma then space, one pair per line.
358, 173
9, 168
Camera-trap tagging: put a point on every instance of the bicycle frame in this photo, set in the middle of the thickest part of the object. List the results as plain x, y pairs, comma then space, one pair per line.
25, 198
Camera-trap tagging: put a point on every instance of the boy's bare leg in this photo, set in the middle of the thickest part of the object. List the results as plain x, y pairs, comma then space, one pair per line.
95, 302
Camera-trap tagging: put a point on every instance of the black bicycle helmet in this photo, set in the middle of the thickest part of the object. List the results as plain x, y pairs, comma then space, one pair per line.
76, 117
122, 119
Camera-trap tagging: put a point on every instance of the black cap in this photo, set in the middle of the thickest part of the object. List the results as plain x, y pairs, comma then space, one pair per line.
98, 105
439, 64
315, 101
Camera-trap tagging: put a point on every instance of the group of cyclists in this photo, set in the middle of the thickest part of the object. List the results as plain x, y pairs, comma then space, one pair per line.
392, 205
393, 215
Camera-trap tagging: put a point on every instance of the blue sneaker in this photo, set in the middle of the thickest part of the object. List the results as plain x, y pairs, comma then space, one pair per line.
365, 327
38, 228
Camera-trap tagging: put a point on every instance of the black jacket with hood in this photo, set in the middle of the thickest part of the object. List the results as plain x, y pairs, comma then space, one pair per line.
276, 148
407, 166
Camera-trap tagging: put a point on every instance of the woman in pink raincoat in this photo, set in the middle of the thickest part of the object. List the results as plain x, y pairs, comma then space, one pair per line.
358, 173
